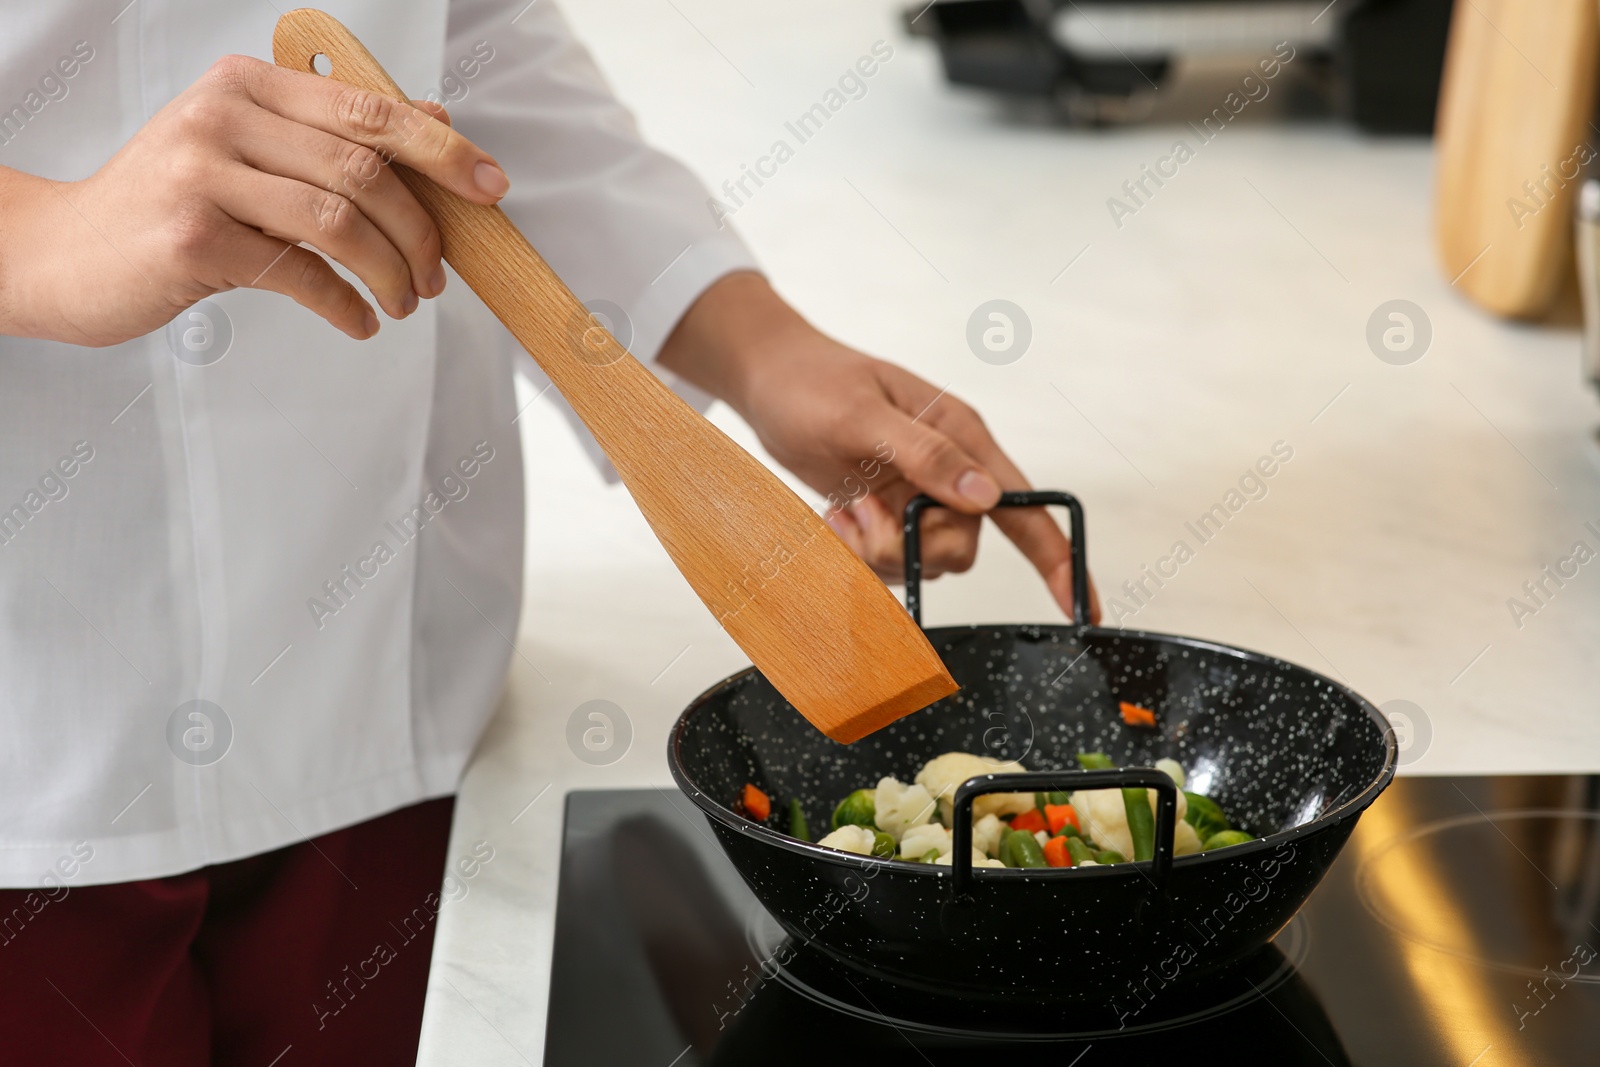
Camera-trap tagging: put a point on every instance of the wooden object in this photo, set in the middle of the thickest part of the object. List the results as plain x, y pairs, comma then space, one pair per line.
1512, 131
806, 610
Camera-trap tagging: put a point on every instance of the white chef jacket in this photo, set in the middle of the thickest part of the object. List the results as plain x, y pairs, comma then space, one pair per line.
169, 527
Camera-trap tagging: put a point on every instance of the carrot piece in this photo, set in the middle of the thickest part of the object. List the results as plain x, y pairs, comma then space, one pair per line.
1056, 853
1134, 715
1059, 815
1031, 820
755, 803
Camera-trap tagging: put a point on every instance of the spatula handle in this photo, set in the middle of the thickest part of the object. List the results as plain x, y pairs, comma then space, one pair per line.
480, 241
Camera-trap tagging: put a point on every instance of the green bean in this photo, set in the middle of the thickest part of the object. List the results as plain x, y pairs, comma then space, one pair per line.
883, 845
1141, 822
1022, 850
857, 809
797, 822
1095, 761
1055, 796
1003, 851
1204, 815
931, 856
1069, 830
1079, 851
1224, 839
1110, 855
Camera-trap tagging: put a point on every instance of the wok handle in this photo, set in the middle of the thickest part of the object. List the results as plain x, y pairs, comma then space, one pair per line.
1031, 498
1160, 866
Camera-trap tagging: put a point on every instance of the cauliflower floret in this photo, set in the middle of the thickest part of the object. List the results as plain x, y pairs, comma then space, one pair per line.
857, 839
901, 806
986, 834
978, 860
1185, 840
924, 836
1173, 769
1105, 818
941, 776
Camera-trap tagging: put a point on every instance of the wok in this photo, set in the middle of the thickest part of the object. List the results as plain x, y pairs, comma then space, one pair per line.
1290, 755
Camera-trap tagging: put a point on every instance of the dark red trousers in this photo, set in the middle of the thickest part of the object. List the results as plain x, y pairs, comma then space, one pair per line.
316, 954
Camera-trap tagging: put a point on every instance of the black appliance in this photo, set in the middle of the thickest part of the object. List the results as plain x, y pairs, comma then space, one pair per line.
1375, 62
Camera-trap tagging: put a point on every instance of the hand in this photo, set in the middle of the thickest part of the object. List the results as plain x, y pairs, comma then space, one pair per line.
217, 192
867, 434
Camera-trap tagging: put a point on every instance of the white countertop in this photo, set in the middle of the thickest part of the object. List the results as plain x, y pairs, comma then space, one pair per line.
1222, 317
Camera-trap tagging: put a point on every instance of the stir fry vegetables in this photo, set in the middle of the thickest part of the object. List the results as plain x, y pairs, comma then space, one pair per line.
1134, 715
752, 803
911, 821
941, 775
858, 809
756, 803
797, 822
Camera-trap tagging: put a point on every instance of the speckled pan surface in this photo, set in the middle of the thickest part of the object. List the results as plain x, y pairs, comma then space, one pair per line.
1290, 755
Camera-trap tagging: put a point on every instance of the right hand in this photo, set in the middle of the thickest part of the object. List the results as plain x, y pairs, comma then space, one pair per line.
217, 192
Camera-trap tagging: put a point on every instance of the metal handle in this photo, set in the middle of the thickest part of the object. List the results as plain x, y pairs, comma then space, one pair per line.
1031, 498
956, 914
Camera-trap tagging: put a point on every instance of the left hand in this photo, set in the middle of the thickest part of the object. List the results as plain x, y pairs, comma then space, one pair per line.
865, 433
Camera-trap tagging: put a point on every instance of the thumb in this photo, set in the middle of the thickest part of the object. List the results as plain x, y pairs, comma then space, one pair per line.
941, 468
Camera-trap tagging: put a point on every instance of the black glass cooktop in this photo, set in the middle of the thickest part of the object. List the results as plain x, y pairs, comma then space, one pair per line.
1460, 926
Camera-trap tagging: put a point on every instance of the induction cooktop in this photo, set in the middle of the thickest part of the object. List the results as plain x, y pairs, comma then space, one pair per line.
1460, 926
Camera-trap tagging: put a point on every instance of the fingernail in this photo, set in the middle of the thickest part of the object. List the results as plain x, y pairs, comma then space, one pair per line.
838, 523
408, 305
491, 179
371, 322
436, 281
979, 488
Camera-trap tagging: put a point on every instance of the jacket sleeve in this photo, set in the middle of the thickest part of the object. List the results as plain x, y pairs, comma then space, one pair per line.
618, 220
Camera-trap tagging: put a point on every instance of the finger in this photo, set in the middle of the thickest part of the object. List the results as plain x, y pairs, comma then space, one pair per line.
275, 145
949, 544
948, 540
852, 525
1032, 530
262, 262
437, 110
401, 131
845, 525
876, 545
937, 465
294, 212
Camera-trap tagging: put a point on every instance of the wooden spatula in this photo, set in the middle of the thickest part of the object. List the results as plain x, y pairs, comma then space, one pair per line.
805, 609
1511, 135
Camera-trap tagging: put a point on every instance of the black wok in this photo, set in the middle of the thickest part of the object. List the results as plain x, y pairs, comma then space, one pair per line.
1291, 756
